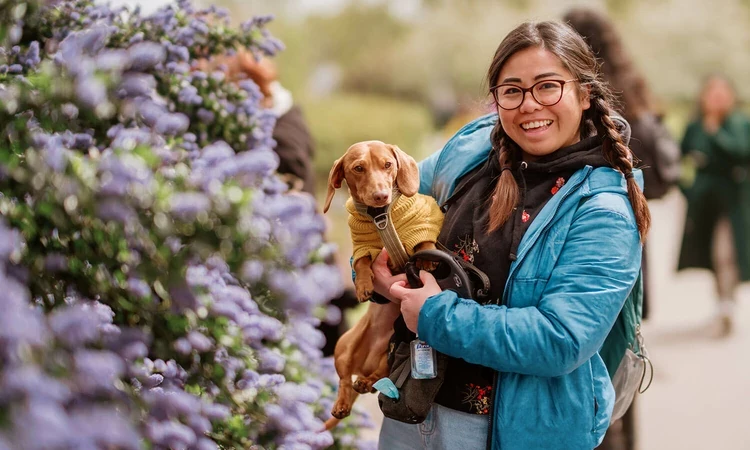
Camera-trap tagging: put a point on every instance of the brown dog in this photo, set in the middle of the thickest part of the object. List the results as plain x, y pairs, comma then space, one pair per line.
372, 169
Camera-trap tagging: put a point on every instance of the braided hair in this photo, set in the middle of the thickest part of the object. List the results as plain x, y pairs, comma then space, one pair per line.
576, 56
506, 194
621, 158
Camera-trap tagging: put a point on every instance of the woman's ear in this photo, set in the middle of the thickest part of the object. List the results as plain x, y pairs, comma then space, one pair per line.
407, 177
585, 97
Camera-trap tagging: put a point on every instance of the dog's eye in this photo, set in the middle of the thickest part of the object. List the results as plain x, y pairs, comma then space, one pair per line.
359, 169
388, 165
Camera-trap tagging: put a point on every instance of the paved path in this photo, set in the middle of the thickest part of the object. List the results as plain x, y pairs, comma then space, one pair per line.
700, 396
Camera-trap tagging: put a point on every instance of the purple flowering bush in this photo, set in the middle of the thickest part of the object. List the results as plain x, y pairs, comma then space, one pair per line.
159, 287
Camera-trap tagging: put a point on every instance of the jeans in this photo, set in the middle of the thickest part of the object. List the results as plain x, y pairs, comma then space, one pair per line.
443, 429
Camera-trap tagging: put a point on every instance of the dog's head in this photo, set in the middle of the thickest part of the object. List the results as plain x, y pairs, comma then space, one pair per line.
371, 169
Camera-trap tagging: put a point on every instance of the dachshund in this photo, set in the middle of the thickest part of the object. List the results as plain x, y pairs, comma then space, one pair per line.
376, 174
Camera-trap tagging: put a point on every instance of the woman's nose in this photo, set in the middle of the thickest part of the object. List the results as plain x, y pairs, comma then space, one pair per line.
529, 104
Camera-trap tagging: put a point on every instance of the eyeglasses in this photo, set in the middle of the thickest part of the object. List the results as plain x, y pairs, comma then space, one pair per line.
545, 92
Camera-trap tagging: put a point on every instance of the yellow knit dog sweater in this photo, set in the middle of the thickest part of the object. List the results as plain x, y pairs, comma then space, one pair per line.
417, 219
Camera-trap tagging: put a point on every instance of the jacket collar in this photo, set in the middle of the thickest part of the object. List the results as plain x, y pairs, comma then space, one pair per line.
582, 184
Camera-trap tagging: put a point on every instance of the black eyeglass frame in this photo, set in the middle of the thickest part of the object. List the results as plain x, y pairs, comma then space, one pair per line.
562, 83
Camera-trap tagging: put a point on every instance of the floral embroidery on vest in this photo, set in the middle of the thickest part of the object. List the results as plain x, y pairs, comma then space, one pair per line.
467, 248
558, 184
478, 398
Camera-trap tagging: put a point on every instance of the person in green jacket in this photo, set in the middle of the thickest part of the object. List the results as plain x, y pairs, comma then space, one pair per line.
717, 225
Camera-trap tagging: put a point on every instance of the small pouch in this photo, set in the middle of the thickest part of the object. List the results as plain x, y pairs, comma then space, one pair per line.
630, 377
626, 381
415, 396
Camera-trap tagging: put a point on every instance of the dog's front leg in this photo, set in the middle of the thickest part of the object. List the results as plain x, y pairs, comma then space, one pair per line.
363, 385
364, 276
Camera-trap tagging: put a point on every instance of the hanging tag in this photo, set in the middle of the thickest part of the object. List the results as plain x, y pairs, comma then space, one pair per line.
423, 360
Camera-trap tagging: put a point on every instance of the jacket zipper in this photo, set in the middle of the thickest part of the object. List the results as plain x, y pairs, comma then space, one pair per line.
493, 397
496, 377
546, 223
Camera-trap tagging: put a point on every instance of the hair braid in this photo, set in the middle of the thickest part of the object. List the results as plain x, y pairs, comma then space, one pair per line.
620, 156
505, 196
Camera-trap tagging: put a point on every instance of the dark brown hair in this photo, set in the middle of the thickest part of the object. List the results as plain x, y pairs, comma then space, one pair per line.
627, 84
575, 55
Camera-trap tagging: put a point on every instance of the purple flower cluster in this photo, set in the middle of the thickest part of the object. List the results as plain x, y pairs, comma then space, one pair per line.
47, 411
160, 284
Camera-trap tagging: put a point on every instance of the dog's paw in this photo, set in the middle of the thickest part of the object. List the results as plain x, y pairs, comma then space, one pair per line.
364, 292
425, 265
341, 410
363, 386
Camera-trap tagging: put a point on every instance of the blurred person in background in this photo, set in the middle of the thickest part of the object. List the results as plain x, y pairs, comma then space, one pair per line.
295, 147
717, 226
658, 152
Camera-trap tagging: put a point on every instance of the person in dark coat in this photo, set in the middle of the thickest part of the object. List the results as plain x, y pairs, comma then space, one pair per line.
717, 226
658, 152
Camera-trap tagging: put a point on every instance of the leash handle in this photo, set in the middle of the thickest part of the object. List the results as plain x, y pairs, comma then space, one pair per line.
450, 277
412, 275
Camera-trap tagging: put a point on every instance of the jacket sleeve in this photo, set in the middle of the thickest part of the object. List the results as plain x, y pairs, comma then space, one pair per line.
427, 173
733, 137
582, 298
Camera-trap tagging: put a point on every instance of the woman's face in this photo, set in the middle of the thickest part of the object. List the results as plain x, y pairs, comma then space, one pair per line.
540, 130
718, 97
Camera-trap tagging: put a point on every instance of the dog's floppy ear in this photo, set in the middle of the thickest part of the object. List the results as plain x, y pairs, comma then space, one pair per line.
334, 181
407, 177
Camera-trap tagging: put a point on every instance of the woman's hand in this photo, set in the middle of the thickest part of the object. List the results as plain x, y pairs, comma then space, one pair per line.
411, 300
382, 278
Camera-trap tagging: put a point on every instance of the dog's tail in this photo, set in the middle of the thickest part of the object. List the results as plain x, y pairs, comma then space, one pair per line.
331, 423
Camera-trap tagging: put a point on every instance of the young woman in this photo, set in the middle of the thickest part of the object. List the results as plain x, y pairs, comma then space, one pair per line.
716, 235
542, 197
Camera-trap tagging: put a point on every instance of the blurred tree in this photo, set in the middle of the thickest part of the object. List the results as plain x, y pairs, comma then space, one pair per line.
343, 119
437, 54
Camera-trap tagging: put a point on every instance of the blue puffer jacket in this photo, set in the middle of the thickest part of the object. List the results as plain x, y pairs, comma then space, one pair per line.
576, 264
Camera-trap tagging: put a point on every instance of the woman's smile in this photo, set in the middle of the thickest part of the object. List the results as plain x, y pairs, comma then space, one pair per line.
534, 128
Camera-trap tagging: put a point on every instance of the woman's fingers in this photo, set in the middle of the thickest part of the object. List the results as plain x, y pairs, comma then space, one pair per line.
381, 260
383, 279
398, 289
427, 277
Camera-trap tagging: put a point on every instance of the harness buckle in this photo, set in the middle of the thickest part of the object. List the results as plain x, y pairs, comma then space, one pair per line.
381, 221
